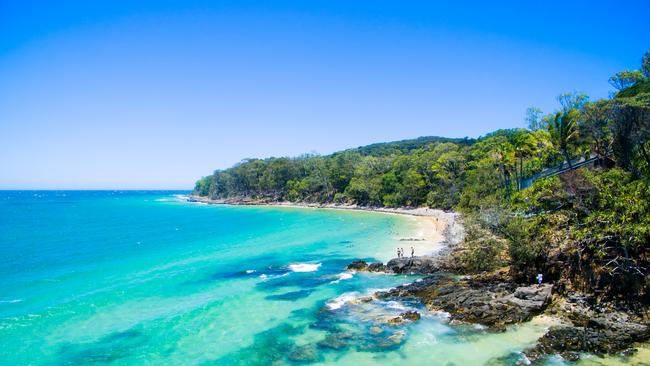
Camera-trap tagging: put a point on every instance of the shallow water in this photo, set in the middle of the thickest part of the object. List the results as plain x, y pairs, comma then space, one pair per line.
131, 278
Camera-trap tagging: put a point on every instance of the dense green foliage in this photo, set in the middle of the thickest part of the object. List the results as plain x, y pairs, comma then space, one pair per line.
590, 227
430, 171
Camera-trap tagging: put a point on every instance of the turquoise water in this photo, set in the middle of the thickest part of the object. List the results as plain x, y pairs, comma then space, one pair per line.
132, 278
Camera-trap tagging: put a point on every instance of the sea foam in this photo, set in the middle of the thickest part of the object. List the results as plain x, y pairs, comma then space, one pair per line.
304, 267
338, 302
343, 276
13, 301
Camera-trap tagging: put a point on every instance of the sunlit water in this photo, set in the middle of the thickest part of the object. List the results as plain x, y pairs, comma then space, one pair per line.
132, 278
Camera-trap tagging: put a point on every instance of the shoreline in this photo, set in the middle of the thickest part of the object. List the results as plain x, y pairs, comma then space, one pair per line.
492, 300
437, 230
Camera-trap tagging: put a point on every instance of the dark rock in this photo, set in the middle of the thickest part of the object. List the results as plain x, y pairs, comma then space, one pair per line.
357, 266
364, 266
404, 317
335, 341
382, 342
603, 335
305, 354
377, 267
421, 265
492, 304
411, 315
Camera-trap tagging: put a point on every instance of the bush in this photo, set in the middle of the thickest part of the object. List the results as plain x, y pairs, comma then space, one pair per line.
480, 251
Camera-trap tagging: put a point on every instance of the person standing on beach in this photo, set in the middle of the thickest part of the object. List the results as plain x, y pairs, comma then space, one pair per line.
398, 253
412, 252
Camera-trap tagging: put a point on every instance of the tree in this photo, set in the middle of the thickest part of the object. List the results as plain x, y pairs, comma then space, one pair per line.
625, 79
203, 186
534, 118
631, 132
645, 65
572, 100
563, 130
595, 127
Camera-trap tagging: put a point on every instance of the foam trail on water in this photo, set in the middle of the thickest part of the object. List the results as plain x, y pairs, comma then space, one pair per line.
304, 267
13, 301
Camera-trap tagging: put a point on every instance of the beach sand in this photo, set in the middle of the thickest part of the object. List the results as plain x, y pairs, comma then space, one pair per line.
427, 239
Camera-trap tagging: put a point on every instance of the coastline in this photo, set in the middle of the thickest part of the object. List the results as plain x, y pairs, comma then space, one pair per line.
437, 230
491, 300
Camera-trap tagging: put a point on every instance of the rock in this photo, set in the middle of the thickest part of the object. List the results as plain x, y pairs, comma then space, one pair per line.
607, 334
531, 298
357, 266
395, 321
421, 265
377, 267
404, 317
411, 315
364, 266
306, 353
494, 304
376, 330
365, 299
335, 341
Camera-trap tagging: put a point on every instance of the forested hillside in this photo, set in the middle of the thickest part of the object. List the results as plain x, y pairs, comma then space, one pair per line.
589, 226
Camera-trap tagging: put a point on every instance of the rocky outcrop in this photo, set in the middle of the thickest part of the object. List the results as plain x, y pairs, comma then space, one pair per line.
419, 265
492, 304
357, 266
601, 336
364, 266
414, 265
591, 328
407, 316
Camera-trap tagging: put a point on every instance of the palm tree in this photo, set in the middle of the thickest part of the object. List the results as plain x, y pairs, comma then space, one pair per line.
562, 128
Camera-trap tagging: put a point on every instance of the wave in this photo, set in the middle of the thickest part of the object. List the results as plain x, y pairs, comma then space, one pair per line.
344, 276
12, 301
304, 267
267, 277
338, 302
395, 305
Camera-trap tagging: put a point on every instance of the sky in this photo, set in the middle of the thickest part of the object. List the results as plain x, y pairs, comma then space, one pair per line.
155, 94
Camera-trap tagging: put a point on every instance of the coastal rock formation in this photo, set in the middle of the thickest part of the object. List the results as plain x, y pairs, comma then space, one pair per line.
364, 266
601, 336
492, 304
414, 265
419, 265
592, 328
357, 266
408, 316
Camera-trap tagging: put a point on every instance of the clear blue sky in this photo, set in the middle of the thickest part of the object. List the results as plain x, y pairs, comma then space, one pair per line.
154, 94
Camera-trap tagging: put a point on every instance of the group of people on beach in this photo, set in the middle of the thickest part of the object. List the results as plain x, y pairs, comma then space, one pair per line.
400, 252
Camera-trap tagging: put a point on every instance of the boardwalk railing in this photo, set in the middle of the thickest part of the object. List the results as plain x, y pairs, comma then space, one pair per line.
564, 167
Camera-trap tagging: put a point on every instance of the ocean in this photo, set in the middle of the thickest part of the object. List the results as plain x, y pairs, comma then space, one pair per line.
146, 278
